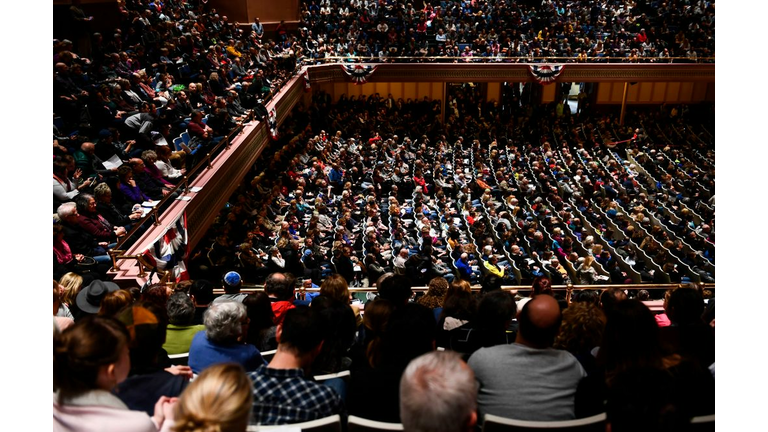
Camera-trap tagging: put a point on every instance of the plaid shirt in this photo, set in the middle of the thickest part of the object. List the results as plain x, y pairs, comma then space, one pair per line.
284, 396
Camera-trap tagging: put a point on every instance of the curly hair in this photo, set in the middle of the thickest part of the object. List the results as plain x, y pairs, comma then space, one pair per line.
435, 295
581, 329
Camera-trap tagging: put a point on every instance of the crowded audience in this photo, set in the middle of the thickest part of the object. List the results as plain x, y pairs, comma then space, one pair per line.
382, 193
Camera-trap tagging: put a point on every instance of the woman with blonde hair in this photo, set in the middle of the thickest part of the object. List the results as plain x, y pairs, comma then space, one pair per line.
72, 283
587, 274
220, 399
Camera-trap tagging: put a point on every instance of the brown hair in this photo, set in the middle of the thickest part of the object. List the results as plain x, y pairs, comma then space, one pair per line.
113, 302
581, 329
81, 350
335, 287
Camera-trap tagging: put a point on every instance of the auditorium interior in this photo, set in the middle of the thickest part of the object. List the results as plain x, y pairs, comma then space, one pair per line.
444, 153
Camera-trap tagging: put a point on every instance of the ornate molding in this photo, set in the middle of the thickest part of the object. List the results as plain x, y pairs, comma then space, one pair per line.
519, 72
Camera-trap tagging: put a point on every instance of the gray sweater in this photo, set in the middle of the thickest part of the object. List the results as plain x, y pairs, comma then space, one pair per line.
524, 383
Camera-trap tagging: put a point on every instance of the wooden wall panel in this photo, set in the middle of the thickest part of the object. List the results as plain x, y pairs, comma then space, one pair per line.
710, 92
645, 93
437, 91
368, 89
699, 92
493, 92
382, 89
673, 92
617, 92
409, 91
548, 93
659, 91
686, 92
339, 89
604, 92
632, 93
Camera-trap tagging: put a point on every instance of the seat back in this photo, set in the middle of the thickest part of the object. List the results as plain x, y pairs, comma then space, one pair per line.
267, 355
177, 143
327, 424
358, 424
494, 423
703, 424
179, 359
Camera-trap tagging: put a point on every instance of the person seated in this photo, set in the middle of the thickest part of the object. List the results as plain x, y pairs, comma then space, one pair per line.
280, 289
222, 340
219, 399
181, 330
114, 215
149, 378
282, 394
438, 392
78, 239
95, 224
90, 359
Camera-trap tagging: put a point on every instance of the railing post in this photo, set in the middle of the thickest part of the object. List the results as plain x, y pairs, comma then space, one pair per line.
142, 273
113, 254
568, 292
208, 160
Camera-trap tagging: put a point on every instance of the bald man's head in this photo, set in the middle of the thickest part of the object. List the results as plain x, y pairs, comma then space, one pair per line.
539, 322
88, 148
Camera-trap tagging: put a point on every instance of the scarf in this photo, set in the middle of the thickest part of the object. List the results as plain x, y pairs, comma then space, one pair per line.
63, 253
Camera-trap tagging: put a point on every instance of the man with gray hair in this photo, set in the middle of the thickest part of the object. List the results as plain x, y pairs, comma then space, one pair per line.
226, 326
438, 393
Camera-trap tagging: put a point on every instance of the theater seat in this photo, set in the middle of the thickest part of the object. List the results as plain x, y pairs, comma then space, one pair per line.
494, 423
703, 424
358, 424
327, 424
179, 359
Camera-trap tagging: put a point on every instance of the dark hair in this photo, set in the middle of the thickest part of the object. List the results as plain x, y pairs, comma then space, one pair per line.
496, 310
259, 311
539, 336
81, 350
541, 285
396, 289
685, 306
301, 329
181, 309
460, 305
147, 337
490, 282
202, 290
643, 399
630, 339
410, 333
339, 326
281, 288
610, 297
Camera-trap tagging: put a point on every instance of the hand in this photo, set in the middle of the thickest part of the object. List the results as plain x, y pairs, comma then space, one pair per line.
132, 182
135, 216
119, 231
166, 192
185, 371
79, 257
163, 410
103, 244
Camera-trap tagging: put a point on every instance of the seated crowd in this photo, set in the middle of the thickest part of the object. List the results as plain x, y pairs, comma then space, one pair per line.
364, 200
506, 31
539, 359
500, 193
